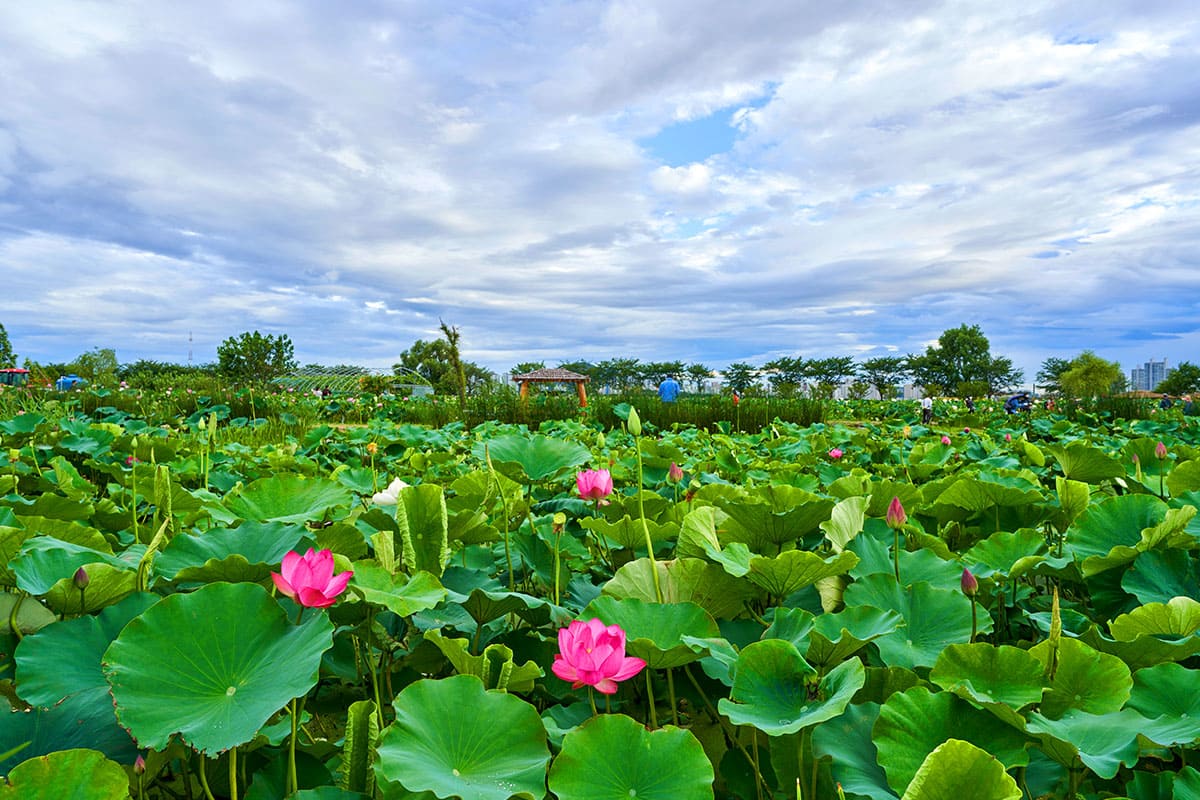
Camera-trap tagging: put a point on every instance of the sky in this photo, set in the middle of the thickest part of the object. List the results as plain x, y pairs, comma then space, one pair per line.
693, 180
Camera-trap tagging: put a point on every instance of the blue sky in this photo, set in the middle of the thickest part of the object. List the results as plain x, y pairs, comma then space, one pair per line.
698, 180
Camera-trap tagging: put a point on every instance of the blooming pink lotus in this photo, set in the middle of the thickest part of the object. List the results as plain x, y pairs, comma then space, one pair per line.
836, 453
945, 440
309, 580
594, 484
593, 654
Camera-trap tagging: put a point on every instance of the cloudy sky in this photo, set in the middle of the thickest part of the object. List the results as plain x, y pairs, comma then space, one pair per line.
665, 179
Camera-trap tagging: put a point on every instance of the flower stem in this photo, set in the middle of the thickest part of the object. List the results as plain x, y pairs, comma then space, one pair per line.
204, 778
592, 700
233, 792
896, 552
974, 621
671, 694
653, 721
646, 528
293, 784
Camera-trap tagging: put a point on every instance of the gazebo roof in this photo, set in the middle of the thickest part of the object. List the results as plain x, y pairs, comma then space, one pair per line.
551, 375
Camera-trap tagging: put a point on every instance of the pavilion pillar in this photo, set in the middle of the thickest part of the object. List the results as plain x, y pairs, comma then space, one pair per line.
582, 393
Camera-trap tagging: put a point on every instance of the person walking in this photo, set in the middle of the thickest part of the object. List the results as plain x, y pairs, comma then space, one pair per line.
926, 410
668, 390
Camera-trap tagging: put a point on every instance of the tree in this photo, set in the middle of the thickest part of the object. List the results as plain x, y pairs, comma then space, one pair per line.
8, 358
255, 358
699, 373
740, 376
658, 371
1184, 379
884, 373
431, 361
1050, 374
1088, 375
962, 362
786, 374
98, 366
526, 367
828, 373
456, 366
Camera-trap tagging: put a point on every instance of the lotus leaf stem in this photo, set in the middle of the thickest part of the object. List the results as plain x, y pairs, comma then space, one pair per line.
671, 694
653, 715
204, 778
233, 792
730, 734
645, 527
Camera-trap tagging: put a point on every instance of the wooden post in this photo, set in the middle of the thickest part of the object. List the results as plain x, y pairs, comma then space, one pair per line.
582, 393
524, 390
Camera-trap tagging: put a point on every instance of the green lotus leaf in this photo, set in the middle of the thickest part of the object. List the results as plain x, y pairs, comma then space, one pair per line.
485, 606
654, 631
698, 532
1107, 534
777, 692
793, 570
495, 666
1168, 696
423, 526
1073, 500
22, 424
54, 507
1103, 742
793, 625
43, 562
846, 740
883, 682
67, 775
287, 497
614, 758
30, 616
990, 676
1184, 477
1187, 784
683, 580
1085, 679
63, 659
108, 585
846, 522
933, 618
249, 552
212, 666
957, 769
496, 751
836, 637
531, 459
1177, 618
719, 660
627, 532
1005, 553
986, 490
401, 594
1158, 576
771, 516
913, 723
875, 558
1143, 650
1082, 462
78, 721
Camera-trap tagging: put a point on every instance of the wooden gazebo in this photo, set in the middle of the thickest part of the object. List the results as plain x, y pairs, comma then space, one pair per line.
553, 375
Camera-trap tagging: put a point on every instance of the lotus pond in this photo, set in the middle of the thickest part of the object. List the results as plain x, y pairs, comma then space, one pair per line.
862, 609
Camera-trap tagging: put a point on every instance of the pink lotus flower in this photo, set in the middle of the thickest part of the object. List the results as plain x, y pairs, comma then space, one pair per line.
966, 430
594, 484
1160, 451
946, 440
836, 453
896, 518
593, 654
309, 580
674, 474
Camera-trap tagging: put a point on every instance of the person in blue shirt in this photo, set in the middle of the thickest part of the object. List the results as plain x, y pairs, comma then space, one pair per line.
668, 390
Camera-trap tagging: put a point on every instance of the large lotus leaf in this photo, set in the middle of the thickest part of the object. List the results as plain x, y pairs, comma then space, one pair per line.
52, 506
495, 666
1084, 679
69, 481
985, 490
1108, 533
287, 497
914, 722
1158, 576
212, 666
933, 618
43, 562
836, 637
1103, 742
771, 516
614, 758
846, 522
108, 585
63, 659
454, 738
875, 558
1082, 462
777, 692
1187, 784
847, 741
24, 613
78, 721
22, 424
989, 676
11, 539
654, 631
957, 769
1004, 553
683, 580
698, 532
530, 459
793, 625
720, 657
1144, 649
423, 528
1177, 618
67, 775
1073, 500
485, 606
401, 594
628, 533
1168, 696
249, 552
1184, 478
793, 570
71, 532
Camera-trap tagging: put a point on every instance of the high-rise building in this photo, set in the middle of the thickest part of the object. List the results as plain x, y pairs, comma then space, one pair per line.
1148, 376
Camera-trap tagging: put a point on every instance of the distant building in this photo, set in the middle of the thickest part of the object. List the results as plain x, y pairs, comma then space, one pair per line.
1149, 375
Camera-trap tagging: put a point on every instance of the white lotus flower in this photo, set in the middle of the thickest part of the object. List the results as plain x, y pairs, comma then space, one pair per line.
391, 495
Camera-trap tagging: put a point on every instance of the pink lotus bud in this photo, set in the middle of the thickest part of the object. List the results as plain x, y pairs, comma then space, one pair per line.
896, 518
674, 474
946, 440
969, 583
81, 578
1160, 451
966, 430
139, 765
1008, 437
836, 453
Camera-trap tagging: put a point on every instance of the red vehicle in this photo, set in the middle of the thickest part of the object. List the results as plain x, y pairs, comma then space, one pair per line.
14, 377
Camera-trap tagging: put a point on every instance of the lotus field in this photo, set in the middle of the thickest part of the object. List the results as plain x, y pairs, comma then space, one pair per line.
990, 606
